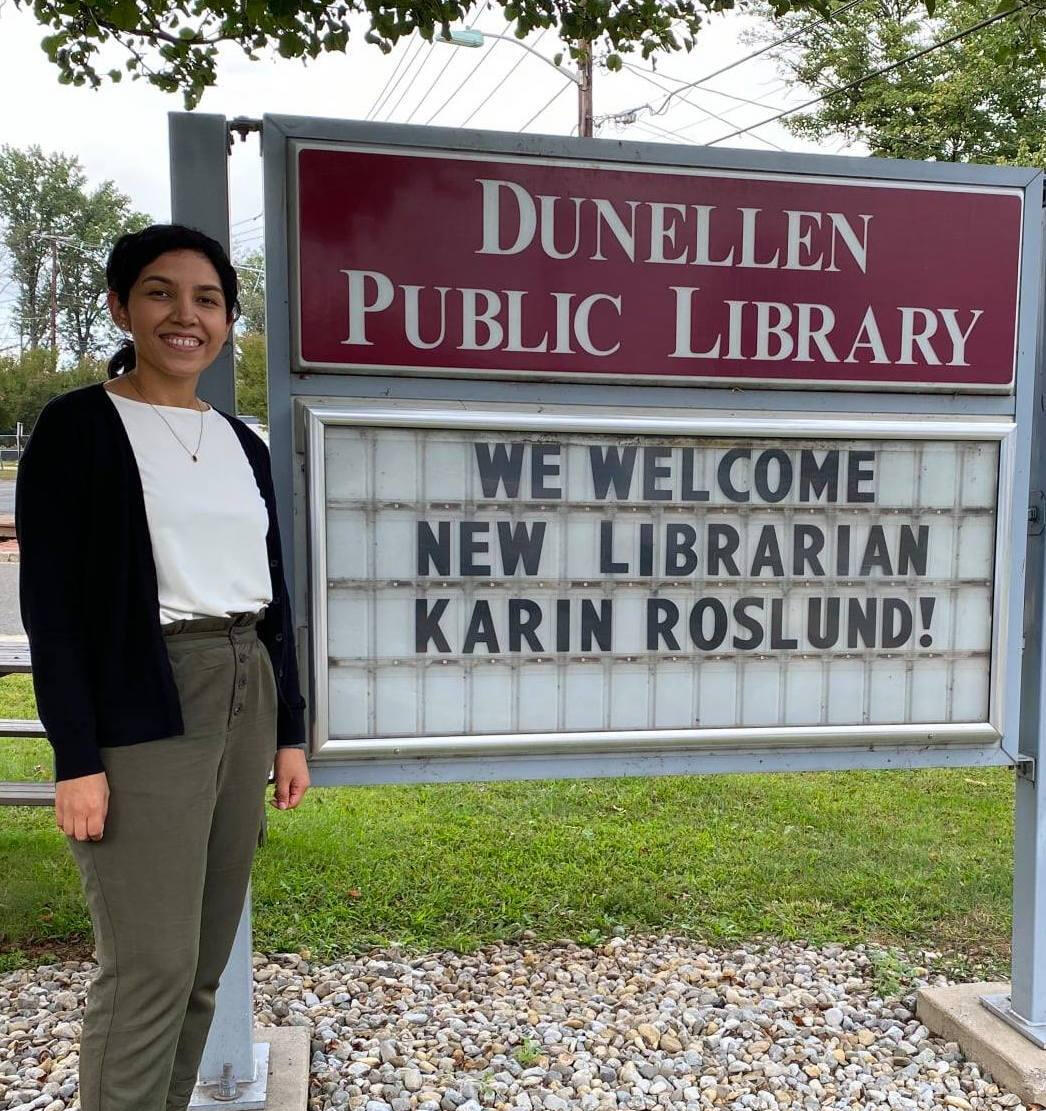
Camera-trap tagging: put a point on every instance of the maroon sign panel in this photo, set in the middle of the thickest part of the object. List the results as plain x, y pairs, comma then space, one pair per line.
439, 263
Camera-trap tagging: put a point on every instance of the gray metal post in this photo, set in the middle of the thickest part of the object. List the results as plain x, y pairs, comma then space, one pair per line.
230, 1054
1025, 1007
199, 153
199, 150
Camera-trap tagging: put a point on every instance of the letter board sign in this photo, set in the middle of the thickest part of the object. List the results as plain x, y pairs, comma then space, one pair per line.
558, 578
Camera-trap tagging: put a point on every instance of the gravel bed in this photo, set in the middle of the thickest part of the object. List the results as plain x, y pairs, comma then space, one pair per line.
638, 1022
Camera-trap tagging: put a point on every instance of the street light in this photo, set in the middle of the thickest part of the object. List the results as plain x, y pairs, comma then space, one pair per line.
471, 38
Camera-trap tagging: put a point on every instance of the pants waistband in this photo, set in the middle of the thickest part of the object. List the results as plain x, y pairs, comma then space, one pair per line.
237, 623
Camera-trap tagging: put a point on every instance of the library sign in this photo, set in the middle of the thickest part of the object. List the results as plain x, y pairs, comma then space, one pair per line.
430, 262
554, 568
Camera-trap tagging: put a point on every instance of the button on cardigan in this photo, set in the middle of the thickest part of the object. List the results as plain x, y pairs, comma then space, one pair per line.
88, 588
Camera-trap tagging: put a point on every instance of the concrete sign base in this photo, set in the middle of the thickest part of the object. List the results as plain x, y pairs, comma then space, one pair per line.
282, 1053
957, 1014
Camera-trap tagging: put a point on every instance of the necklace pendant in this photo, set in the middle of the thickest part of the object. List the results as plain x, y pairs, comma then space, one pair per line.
194, 459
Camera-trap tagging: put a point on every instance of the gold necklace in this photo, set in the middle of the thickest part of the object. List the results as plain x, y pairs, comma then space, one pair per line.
193, 454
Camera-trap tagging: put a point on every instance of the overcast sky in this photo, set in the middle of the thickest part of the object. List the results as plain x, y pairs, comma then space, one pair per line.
120, 132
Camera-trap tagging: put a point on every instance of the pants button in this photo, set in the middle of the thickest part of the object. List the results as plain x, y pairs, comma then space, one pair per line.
242, 683
243, 657
236, 709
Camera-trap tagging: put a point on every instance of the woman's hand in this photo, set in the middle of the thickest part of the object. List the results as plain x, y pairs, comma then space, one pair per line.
81, 806
292, 778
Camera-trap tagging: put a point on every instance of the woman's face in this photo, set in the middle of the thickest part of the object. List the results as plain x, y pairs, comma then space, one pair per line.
176, 314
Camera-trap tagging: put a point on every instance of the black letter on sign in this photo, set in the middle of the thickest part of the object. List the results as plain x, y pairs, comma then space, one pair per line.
680, 557
613, 467
607, 566
912, 555
829, 636
697, 623
750, 624
807, 545
767, 553
524, 616
876, 552
856, 474
723, 542
471, 547
689, 492
726, 483
777, 638
652, 473
814, 479
426, 625
784, 475
431, 550
646, 550
842, 550
481, 629
897, 622
596, 625
861, 622
517, 543
662, 617
540, 469
503, 465
562, 624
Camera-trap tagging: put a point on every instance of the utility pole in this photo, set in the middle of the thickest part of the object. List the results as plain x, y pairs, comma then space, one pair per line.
584, 92
54, 293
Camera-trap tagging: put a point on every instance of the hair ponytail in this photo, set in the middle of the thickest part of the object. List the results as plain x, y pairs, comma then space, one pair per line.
123, 361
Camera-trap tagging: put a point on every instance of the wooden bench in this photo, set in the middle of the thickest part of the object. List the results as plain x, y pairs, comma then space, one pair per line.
26, 794
14, 660
14, 657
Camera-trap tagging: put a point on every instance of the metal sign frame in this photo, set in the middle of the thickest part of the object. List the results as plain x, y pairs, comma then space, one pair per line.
751, 747
297, 398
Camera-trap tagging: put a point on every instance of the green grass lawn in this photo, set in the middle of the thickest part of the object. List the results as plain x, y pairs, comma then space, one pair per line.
908, 858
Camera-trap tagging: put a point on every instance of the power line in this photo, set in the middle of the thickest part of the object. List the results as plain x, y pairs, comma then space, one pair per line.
452, 54
468, 76
519, 61
709, 114
715, 92
740, 61
548, 104
424, 96
399, 65
410, 84
415, 46
857, 82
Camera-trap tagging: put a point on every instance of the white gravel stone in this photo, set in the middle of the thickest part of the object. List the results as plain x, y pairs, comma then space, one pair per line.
637, 1024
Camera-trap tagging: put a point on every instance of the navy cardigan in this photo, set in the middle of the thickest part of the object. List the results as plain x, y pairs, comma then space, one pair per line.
88, 591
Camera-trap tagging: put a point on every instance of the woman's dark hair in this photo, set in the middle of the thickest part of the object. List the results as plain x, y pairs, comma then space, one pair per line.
133, 252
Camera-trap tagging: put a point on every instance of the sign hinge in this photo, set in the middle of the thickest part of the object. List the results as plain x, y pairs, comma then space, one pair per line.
242, 126
1025, 768
1037, 513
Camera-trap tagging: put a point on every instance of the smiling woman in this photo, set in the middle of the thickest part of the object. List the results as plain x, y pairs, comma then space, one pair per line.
165, 621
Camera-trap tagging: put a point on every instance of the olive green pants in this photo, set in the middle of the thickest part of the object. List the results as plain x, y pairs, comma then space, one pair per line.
166, 883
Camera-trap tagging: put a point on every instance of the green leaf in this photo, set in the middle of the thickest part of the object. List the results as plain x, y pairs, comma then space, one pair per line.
51, 45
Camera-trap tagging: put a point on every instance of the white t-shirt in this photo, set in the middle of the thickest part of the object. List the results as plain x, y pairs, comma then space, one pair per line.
207, 520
